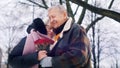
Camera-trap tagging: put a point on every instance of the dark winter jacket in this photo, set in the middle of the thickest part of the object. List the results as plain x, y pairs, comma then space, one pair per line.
72, 49
16, 58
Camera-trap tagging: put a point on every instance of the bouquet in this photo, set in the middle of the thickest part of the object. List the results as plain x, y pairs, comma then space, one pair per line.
43, 42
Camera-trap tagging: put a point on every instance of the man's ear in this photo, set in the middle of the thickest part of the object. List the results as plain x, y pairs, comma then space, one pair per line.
65, 14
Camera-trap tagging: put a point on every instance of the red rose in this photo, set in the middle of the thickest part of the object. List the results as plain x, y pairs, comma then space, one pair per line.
42, 44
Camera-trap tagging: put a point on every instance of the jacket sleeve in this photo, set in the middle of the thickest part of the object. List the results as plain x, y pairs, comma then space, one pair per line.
16, 59
77, 54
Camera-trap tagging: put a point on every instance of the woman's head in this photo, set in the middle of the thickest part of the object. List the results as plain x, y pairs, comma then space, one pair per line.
50, 32
38, 25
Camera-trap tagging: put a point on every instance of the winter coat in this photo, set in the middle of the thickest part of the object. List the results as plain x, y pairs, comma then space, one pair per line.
16, 58
72, 50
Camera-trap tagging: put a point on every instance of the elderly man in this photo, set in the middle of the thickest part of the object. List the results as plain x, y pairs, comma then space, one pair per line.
71, 48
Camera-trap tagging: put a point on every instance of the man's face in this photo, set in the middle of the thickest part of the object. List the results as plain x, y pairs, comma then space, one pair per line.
56, 17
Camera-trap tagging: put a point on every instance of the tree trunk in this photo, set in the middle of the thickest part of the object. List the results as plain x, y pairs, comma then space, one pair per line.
93, 47
0, 57
98, 48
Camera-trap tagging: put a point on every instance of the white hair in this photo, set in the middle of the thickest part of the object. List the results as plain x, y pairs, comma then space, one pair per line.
60, 7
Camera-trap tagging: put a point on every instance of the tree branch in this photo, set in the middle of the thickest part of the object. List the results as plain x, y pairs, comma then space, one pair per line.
45, 4
93, 23
25, 3
37, 4
111, 14
76, 10
82, 15
69, 9
111, 3
60, 2
99, 18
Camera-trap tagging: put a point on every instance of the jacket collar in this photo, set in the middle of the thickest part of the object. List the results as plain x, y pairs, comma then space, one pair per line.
66, 27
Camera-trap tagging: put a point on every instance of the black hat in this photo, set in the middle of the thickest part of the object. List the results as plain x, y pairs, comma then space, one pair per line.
38, 25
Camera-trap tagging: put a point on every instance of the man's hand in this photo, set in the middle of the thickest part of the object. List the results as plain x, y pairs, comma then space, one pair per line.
42, 54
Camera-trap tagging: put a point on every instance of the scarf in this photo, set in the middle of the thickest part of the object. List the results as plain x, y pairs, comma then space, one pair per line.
30, 45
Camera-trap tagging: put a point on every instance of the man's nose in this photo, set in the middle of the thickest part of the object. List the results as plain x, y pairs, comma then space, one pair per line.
51, 20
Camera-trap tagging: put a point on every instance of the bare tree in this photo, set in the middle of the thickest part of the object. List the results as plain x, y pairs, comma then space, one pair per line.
0, 57
9, 29
98, 18
111, 14
93, 48
104, 12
